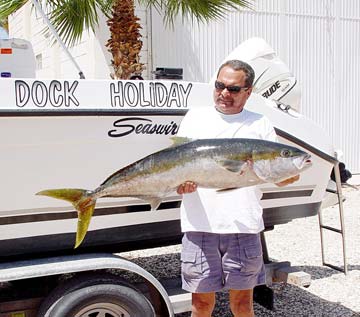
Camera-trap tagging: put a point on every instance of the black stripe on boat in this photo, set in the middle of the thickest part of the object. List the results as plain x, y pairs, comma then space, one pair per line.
40, 217
287, 194
95, 112
127, 238
305, 145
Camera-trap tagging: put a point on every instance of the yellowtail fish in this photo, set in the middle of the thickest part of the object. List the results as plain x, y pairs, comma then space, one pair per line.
211, 163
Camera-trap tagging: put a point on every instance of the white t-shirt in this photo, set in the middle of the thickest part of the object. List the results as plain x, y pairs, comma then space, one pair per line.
233, 211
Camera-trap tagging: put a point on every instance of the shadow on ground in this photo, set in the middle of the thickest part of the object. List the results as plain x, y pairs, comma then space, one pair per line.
319, 272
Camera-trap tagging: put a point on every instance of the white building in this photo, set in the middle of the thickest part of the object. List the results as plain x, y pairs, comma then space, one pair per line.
3, 33
317, 39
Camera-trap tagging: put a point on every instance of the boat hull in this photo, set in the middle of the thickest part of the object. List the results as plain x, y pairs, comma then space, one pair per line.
78, 148
162, 231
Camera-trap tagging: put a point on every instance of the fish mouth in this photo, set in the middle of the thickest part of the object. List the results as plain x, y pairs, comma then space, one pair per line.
305, 162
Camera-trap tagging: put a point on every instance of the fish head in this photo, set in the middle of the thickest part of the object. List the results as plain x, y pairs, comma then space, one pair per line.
278, 162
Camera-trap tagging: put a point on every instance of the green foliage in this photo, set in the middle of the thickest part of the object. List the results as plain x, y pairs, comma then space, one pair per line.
69, 17
8, 7
72, 17
199, 10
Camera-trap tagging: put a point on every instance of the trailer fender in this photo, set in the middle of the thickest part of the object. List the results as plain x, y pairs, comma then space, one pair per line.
21, 270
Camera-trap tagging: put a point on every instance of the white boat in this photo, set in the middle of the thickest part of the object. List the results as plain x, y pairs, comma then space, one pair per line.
75, 133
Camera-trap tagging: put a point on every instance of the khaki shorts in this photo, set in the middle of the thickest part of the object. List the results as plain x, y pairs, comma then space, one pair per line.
211, 262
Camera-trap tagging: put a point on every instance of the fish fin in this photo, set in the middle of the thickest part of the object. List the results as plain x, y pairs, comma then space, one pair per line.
233, 165
154, 202
71, 195
221, 190
263, 171
177, 140
83, 203
84, 217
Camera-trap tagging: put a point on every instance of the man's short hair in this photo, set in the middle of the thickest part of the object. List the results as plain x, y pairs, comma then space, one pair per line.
236, 64
136, 77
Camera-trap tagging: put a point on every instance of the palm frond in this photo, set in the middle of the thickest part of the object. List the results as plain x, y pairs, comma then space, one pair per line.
69, 17
105, 7
199, 10
8, 7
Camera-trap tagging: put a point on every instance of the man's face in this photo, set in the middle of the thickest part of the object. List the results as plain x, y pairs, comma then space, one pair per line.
228, 102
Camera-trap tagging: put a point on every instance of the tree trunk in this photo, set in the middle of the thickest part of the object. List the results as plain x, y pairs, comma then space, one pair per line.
124, 43
5, 24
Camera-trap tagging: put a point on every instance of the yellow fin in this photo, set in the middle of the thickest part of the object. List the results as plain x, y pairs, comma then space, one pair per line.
82, 201
177, 140
85, 213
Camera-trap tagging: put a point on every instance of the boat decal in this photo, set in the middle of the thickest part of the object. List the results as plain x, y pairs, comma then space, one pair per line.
262, 74
139, 125
272, 89
61, 96
289, 90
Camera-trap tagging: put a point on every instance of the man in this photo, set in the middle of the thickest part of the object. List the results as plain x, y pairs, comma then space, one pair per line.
221, 247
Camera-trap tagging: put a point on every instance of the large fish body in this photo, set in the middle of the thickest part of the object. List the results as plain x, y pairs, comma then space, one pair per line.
211, 163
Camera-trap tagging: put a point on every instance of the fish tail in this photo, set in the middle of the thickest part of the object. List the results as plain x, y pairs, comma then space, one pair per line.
83, 202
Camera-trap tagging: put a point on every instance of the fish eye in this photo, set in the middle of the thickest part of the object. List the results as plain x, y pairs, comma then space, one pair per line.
285, 153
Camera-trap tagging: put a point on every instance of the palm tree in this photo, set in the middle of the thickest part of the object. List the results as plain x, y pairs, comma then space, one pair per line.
4, 23
71, 17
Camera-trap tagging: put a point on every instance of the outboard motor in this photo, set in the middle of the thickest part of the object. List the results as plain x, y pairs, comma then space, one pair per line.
273, 78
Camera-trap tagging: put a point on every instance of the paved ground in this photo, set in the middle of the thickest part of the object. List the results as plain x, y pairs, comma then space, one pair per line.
331, 293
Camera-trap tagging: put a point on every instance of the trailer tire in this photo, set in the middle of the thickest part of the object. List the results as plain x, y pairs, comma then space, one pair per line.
83, 282
104, 299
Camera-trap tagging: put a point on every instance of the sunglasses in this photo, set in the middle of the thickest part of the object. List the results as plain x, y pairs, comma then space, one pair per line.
231, 89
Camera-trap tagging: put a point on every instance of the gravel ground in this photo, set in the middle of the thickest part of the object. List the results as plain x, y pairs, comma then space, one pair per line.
331, 293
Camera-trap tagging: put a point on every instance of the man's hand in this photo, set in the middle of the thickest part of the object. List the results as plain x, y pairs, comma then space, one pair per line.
187, 188
288, 181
